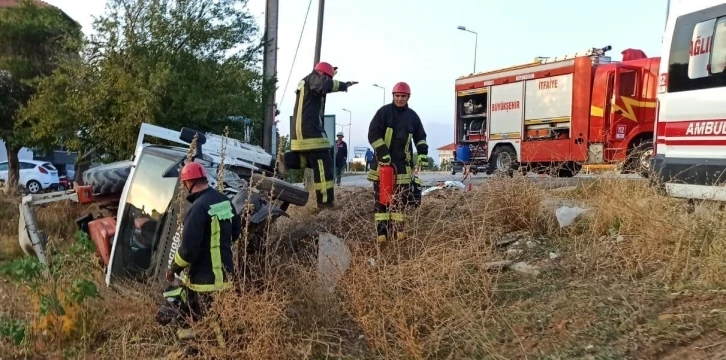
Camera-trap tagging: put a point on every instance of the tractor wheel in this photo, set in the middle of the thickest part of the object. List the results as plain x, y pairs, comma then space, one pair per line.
109, 178
280, 189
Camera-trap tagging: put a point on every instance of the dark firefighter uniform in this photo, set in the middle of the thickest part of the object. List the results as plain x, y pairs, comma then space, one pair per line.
309, 143
391, 132
210, 227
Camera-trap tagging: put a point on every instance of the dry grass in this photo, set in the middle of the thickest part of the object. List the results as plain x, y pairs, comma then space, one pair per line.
636, 276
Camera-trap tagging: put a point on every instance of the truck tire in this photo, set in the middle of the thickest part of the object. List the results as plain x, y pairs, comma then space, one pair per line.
504, 160
569, 169
280, 189
109, 178
642, 155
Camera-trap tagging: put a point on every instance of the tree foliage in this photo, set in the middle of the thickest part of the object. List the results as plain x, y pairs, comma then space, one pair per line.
33, 41
178, 63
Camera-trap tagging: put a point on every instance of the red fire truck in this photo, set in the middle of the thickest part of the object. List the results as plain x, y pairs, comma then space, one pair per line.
558, 114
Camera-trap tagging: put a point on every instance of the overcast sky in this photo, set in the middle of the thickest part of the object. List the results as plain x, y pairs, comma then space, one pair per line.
417, 41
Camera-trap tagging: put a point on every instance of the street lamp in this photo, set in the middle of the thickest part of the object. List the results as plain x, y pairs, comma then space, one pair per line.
476, 40
384, 92
350, 123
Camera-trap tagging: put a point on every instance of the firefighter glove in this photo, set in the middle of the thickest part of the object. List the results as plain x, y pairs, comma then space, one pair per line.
169, 275
386, 159
423, 161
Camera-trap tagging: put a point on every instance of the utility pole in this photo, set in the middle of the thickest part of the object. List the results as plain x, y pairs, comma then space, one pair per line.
319, 35
270, 71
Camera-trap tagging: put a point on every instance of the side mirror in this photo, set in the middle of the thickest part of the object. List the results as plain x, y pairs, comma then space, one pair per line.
187, 135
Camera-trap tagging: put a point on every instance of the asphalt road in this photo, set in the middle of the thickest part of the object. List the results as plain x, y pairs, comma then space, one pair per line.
432, 178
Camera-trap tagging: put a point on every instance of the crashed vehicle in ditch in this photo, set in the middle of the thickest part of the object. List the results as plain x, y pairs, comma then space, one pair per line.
139, 242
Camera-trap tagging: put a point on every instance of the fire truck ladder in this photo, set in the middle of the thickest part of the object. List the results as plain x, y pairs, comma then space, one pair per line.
592, 52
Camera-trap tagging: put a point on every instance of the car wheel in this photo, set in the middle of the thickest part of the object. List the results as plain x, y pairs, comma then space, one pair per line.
33, 186
61, 187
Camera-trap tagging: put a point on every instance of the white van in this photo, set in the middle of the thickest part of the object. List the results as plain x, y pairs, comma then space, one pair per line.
690, 135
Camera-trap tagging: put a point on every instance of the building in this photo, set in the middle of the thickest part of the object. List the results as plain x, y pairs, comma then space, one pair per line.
446, 152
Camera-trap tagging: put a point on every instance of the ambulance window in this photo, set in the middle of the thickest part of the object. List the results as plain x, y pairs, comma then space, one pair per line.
700, 49
718, 53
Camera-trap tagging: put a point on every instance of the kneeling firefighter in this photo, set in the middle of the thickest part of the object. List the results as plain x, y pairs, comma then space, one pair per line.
391, 131
211, 225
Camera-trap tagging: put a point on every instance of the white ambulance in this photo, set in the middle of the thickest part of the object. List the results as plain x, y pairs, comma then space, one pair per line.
690, 134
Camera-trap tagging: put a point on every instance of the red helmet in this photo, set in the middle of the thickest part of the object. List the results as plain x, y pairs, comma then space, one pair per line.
325, 68
401, 87
193, 171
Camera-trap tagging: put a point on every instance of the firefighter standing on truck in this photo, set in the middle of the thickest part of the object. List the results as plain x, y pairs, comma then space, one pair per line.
391, 131
211, 225
309, 144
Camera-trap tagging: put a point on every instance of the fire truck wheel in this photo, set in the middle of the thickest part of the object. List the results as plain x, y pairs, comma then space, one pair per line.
569, 169
642, 153
280, 189
109, 178
505, 160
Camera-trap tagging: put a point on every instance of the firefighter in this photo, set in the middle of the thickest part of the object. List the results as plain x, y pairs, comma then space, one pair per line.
391, 131
211, 225
309, 144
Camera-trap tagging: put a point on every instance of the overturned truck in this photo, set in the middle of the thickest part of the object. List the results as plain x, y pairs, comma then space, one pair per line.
138, 236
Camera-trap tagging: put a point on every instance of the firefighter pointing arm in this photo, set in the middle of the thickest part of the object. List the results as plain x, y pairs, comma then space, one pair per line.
309, 144
392, 131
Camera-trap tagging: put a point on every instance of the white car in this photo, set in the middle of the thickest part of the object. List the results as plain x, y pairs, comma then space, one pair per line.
35, 176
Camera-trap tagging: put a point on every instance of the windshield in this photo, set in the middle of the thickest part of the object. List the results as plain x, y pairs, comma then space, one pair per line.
146, 204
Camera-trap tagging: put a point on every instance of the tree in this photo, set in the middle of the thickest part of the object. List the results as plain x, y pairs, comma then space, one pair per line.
432, 164
191, 63
33, 40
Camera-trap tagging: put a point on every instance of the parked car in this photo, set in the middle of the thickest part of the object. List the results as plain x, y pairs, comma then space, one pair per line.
35, 176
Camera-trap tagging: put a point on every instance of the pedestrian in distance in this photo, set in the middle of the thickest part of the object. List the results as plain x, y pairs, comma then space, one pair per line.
309, 144
391, 132
369, 159
341, 156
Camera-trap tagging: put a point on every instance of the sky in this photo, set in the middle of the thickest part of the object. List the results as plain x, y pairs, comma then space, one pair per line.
417, 41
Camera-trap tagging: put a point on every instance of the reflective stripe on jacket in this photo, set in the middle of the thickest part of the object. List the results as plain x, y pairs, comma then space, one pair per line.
211, 225
390, 133
308, 132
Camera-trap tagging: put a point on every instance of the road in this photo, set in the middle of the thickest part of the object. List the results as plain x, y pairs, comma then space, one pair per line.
432, 178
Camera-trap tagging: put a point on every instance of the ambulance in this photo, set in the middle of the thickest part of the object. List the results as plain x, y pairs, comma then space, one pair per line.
690, 136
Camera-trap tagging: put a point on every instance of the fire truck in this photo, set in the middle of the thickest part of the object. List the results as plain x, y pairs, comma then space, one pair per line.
557, 114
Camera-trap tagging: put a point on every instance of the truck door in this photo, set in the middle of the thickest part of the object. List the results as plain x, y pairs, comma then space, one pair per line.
623, 110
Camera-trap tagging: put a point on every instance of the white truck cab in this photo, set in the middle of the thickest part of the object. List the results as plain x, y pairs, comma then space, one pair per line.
690, 132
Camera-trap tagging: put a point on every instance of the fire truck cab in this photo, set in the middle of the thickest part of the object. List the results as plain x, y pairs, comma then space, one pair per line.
557, 114
690, 153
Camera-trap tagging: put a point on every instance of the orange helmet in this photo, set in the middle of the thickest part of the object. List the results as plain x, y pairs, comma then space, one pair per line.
193, 171
325, 68
401, 87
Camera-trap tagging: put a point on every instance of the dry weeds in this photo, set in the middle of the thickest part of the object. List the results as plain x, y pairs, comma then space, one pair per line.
637, 276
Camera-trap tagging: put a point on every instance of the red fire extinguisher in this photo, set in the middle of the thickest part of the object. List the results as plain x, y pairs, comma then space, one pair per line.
386, 177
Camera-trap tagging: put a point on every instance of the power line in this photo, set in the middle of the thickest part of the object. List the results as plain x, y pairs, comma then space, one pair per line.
302, 31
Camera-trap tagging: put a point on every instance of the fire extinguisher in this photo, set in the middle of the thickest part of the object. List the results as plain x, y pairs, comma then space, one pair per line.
386, 177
